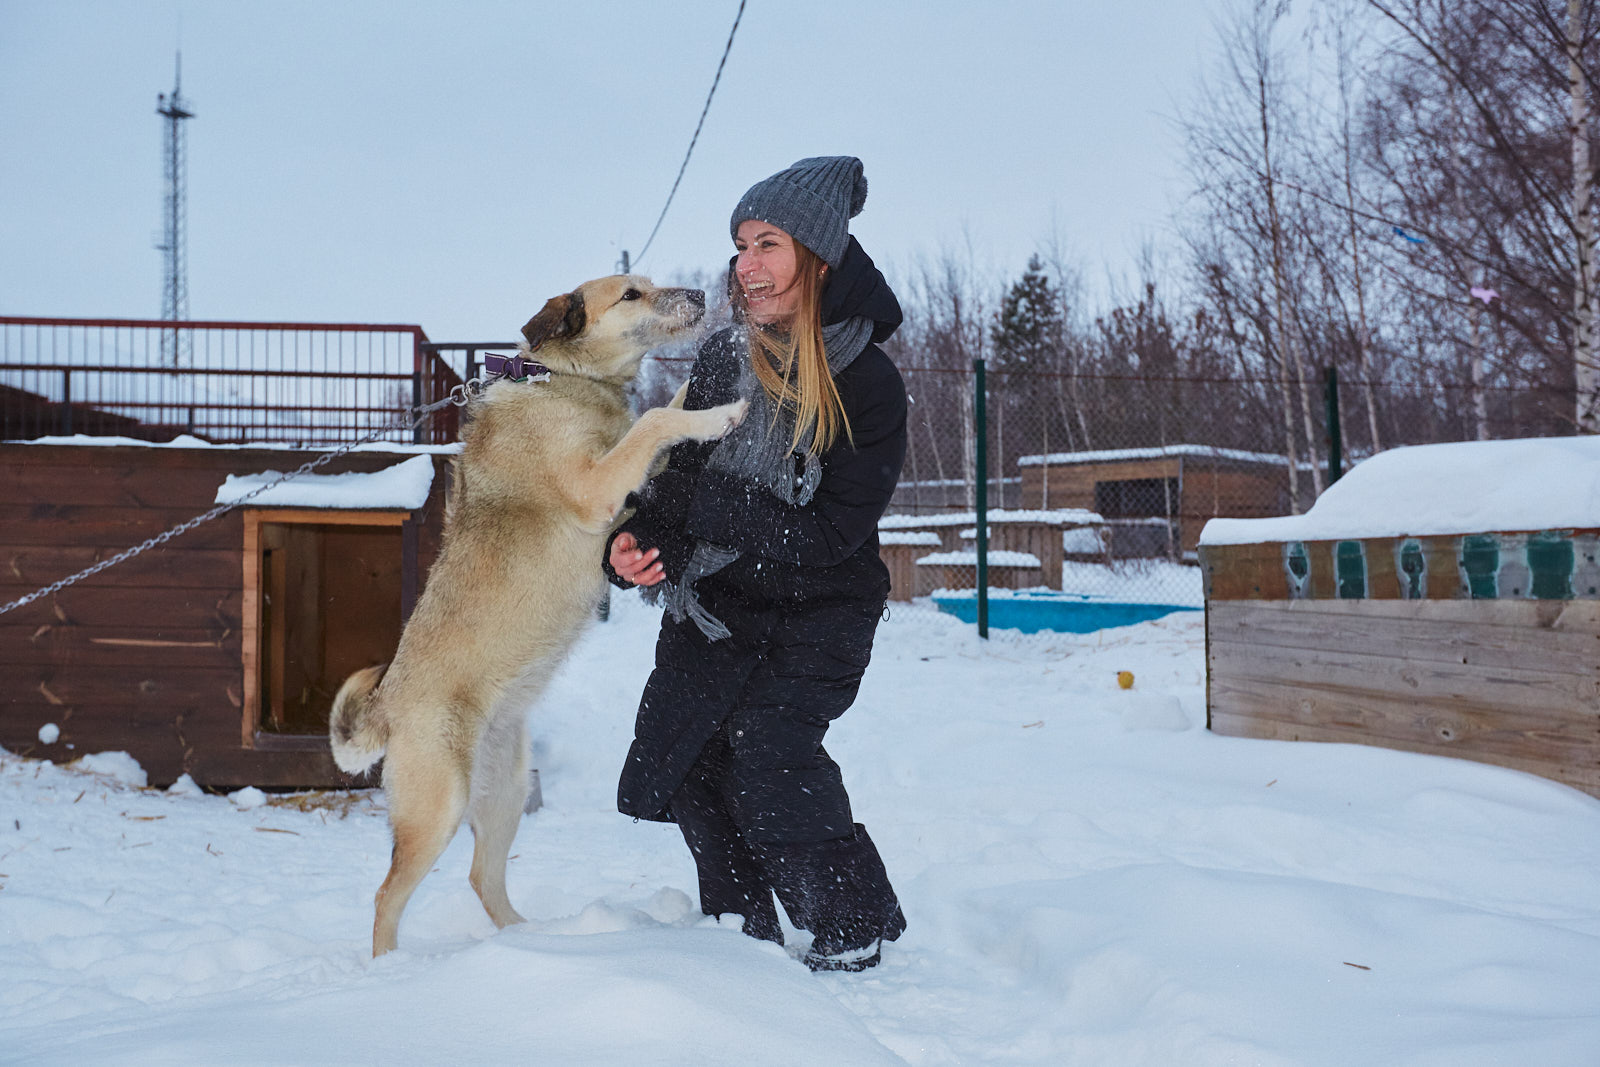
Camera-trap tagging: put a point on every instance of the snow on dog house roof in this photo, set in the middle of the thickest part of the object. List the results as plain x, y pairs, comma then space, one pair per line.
1544, 483
186, 441
404, 486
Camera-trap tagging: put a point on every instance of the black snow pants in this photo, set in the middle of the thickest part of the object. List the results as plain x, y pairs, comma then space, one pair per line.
730, 737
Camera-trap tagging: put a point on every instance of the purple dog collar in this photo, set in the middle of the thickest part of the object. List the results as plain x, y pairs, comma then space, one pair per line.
516, 368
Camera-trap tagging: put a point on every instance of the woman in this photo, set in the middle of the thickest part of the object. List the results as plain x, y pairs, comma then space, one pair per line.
763, 548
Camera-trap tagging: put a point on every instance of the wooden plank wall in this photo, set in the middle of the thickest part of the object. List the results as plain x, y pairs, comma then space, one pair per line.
1451, 645
1510, 682
1212, 491
1072, 485
145, 657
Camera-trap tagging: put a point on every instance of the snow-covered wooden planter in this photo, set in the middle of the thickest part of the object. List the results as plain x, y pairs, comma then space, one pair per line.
217, 653
1441, 599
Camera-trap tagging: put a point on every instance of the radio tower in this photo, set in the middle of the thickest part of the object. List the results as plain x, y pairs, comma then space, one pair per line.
175, 344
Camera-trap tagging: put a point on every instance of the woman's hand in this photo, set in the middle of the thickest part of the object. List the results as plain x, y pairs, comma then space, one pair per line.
634, 564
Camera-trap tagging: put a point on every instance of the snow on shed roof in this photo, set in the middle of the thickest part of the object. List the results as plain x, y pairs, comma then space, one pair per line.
1544, 483
1053, 517
1161, 452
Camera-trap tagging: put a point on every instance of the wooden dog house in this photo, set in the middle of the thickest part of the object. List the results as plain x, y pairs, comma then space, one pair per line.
217, 653
1442, 599
1156, 500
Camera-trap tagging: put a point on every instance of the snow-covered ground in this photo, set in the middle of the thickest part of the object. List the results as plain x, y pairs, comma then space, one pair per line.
1090, 878
1137, 581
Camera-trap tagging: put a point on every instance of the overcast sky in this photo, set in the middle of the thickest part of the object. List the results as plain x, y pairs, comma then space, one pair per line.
455, 164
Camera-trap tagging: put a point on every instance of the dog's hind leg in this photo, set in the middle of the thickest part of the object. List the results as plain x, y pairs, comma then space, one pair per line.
427, 798
499, 789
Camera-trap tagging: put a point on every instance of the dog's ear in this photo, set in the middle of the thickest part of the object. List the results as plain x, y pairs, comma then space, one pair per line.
561, 316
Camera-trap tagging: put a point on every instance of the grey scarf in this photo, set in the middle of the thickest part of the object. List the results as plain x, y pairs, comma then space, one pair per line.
758, 451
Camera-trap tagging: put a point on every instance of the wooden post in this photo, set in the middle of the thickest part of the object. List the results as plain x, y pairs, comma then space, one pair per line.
410, 531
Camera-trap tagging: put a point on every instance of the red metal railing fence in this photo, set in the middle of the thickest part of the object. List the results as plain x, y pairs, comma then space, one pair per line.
306, 384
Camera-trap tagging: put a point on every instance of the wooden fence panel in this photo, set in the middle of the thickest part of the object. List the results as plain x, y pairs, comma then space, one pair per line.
1510, 682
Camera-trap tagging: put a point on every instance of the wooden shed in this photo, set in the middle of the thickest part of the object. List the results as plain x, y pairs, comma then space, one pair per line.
1156, 500
1442, 599
217, 653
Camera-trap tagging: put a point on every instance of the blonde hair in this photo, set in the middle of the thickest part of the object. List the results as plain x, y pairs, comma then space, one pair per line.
793, 369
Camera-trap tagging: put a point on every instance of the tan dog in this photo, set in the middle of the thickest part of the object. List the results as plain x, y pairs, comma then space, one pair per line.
543, 473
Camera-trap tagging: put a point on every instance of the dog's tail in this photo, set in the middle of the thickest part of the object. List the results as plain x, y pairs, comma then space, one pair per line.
357, 728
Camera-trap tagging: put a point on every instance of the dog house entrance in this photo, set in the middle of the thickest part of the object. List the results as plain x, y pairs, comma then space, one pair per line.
323, 597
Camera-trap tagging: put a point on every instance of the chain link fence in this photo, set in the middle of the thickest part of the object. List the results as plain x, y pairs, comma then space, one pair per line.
1097, 486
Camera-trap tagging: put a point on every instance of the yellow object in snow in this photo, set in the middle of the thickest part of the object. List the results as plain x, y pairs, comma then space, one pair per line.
1125, 679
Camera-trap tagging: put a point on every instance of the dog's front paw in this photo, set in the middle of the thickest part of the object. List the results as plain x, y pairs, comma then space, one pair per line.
720, 420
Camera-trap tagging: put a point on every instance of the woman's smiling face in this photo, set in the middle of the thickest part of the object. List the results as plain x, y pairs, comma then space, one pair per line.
767, 271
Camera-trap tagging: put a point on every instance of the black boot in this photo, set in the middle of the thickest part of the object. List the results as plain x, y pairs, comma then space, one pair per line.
849, 959
839, 891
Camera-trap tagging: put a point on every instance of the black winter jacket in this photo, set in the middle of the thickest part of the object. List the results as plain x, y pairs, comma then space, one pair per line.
801, 601
827, 548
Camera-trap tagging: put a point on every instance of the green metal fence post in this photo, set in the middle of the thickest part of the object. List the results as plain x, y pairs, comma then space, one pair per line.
982, 435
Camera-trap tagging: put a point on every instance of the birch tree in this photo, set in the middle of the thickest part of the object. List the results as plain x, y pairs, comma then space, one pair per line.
1524, 72
1586, 374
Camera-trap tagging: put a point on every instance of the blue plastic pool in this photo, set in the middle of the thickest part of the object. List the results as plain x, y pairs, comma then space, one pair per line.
1073, 613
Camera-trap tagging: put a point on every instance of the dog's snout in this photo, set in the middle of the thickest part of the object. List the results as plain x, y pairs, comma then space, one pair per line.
688, 306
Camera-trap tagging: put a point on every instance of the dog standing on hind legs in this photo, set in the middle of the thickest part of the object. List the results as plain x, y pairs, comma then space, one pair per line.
544, 471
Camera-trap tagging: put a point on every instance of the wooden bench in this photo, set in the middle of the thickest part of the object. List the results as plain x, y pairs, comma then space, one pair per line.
959, 570
946, 527
906, 539
1038, 533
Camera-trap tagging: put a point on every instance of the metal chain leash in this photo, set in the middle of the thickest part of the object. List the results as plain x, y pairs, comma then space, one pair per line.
460, 396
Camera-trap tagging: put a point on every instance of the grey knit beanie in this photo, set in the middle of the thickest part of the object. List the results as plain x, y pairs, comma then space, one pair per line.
813, 201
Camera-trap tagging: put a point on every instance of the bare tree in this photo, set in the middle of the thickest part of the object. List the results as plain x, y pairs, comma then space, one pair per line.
1344, 57
1586, 373
1514, 157
1235, 136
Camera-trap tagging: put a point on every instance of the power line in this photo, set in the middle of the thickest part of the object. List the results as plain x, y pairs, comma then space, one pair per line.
697, 126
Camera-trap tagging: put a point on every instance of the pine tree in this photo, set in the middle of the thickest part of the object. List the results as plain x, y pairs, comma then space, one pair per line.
1027, 332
